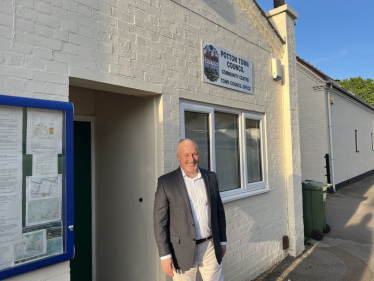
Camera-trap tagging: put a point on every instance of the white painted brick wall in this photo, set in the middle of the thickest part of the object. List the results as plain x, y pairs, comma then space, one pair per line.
348, 116
314, 141
155, 45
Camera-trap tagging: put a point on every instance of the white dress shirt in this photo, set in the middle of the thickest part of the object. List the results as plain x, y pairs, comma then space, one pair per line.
199, 206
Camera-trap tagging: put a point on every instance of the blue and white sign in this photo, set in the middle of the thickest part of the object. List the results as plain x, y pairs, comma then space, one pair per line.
224, 68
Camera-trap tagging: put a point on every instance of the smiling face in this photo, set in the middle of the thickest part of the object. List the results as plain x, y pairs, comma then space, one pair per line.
188, 157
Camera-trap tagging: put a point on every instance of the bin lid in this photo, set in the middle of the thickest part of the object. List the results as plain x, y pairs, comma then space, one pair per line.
315, 185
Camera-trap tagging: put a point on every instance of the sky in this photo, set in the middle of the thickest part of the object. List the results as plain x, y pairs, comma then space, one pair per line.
335, 36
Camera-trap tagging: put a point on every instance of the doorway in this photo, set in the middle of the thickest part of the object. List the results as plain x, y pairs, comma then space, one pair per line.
124, 157
82, 264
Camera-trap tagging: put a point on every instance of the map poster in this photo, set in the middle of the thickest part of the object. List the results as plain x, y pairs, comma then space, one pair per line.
11, 128
226, 69
54, 242
43, 199
44, 130
33, 244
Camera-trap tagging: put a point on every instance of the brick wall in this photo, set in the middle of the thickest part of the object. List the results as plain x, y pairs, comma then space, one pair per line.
314, 135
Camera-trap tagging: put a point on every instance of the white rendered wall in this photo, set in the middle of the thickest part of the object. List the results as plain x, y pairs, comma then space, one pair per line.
348, 116
314, 135
154, 46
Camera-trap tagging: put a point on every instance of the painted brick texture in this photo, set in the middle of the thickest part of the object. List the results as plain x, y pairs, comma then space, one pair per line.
155, 46
313, 126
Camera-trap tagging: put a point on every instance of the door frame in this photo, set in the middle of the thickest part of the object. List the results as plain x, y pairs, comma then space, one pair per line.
91, 120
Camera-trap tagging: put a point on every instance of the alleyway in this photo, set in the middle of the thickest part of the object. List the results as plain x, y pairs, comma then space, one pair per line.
347, 252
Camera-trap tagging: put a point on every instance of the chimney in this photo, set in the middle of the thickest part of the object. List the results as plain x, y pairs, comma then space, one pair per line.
278, 3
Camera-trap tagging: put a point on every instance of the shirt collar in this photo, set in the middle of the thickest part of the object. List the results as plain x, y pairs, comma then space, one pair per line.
185, 175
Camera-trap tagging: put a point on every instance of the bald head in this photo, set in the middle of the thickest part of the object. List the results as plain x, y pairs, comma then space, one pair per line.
188, 157
184, 141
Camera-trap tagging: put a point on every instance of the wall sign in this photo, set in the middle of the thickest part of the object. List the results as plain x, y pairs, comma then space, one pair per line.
226, 69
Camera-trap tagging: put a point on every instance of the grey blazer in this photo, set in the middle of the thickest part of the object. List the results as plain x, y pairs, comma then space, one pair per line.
173, 221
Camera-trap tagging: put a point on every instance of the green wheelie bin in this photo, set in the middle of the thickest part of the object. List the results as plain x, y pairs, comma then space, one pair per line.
314, 209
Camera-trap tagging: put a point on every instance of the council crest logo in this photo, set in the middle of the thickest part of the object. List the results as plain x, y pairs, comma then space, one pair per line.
211, 63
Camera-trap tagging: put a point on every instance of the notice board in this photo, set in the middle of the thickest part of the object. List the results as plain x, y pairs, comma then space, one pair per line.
36, 184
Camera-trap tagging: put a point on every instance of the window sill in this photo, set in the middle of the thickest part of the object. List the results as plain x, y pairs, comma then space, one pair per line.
243, 194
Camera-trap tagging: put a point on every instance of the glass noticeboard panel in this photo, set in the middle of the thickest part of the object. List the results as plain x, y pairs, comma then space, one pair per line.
35, 184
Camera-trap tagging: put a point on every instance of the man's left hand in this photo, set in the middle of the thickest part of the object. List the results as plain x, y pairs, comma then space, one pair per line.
223, 250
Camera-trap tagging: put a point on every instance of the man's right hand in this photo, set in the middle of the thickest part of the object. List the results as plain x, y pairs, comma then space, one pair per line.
168, 266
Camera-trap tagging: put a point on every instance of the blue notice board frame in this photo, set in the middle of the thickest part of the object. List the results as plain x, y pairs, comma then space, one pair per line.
68, 189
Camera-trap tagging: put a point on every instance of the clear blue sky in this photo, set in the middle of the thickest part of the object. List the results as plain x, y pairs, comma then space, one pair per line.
336, 36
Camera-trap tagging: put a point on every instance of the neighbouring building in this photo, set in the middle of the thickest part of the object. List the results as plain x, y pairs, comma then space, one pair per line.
333, 121
142, 75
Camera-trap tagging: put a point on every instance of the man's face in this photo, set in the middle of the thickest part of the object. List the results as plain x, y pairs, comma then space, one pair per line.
188, 157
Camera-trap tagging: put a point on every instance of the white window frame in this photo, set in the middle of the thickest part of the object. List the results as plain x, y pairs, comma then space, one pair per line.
259, 184
245, 189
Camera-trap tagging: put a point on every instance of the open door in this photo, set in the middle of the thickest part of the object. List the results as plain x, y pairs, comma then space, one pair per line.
81, 265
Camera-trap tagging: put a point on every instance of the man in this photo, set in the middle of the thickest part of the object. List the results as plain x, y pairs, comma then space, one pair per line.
189, 219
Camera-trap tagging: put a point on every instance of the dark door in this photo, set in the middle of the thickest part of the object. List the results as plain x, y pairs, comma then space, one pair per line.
81, 265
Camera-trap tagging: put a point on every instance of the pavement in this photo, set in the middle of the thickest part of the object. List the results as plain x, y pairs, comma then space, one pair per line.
347, 252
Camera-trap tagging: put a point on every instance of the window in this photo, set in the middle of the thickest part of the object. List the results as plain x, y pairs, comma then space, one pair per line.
356, 141
231, 143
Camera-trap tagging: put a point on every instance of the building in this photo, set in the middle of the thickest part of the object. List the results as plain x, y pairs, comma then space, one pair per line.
333, 121
133, 70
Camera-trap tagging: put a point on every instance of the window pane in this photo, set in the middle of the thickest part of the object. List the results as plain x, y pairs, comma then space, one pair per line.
227, 150
253, 148
197, 129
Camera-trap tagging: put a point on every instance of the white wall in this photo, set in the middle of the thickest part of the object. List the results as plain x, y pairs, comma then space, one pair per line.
348, 116
314, 135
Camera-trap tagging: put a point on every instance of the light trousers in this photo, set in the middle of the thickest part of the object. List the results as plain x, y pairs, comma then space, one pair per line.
205, 261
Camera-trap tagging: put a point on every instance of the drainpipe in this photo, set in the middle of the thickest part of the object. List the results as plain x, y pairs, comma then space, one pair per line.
330, 135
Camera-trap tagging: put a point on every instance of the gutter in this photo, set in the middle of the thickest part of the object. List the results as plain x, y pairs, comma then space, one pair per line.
330, 135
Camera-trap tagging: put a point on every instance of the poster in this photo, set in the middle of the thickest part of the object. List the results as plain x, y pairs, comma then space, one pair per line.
33, 244
11, 128
43, 199
44, 131
44, 163
47, 241
10, 227
10, 173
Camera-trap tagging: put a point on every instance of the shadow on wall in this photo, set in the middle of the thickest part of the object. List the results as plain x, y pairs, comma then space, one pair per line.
224, 8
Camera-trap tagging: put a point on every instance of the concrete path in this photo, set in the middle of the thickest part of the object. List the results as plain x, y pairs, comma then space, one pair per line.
347, 252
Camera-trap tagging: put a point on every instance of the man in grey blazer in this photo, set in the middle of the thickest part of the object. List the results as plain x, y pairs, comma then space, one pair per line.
189, 219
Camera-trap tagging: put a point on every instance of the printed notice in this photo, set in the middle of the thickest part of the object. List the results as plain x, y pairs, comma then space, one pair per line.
10, 227
11, 128
44, 130
10, 173
32, 244
10, 217
6, 255
44, 163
